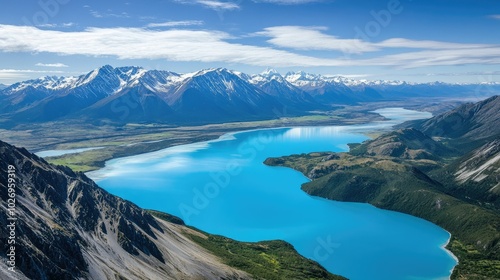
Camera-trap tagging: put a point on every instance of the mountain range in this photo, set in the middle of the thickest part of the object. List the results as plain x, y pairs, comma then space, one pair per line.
134, 94
67, 227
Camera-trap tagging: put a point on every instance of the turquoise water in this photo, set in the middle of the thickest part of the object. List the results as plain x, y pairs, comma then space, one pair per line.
223, 187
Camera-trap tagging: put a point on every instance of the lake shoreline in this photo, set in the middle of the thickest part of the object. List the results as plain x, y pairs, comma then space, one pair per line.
92, 160
445, 247
231, 135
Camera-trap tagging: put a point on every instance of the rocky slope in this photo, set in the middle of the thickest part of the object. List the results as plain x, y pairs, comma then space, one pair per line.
481, 164
67, 227
475, 177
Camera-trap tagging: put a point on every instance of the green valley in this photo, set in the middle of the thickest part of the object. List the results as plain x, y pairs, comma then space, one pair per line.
410, 172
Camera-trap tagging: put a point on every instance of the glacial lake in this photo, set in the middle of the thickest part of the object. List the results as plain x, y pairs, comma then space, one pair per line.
223, 187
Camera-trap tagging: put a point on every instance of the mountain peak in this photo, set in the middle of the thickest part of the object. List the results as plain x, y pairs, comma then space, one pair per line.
303, 76
270, 72
217, 71
103, 70
106, 67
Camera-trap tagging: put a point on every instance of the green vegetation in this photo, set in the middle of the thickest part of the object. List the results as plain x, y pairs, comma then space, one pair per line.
418, 186
473, 264
137, 138
167, 217
85, 161
263, 260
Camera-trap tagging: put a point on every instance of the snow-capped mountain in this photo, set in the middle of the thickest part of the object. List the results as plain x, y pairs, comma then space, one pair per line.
305, 80
272, 83
126, 94
135, 94
324, 89
51, 98
220, 94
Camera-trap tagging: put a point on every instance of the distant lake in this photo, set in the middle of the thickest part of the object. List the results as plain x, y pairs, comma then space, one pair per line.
223, 187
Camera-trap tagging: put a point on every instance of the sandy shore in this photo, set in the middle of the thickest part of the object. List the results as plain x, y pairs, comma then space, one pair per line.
450, 253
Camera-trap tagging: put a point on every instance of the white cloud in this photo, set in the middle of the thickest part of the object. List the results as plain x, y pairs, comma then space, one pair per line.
425, 44
311, 38
477, 73
486, 55
56, 65
176, 23
213, 46
27, 71
213, 4
54, 25
138, 43
495, 17
96, 14
108, 14
9, 74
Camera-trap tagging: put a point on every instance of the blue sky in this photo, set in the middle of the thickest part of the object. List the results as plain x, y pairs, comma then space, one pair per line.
419, 40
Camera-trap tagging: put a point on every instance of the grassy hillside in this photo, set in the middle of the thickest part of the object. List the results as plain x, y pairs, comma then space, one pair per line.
263, 260
384, 172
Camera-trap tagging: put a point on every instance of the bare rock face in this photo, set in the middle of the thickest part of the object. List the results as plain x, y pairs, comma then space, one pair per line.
67, 228
482, 163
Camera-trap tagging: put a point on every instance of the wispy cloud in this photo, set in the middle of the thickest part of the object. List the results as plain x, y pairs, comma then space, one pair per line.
9, 74
55, 65
175, 45
314, 38
456, 74
495, 17
216, 46
442, 57
107, 14
57, 25
426, 44
97, 14
176, 23
27, 71
213, 4
477, 73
